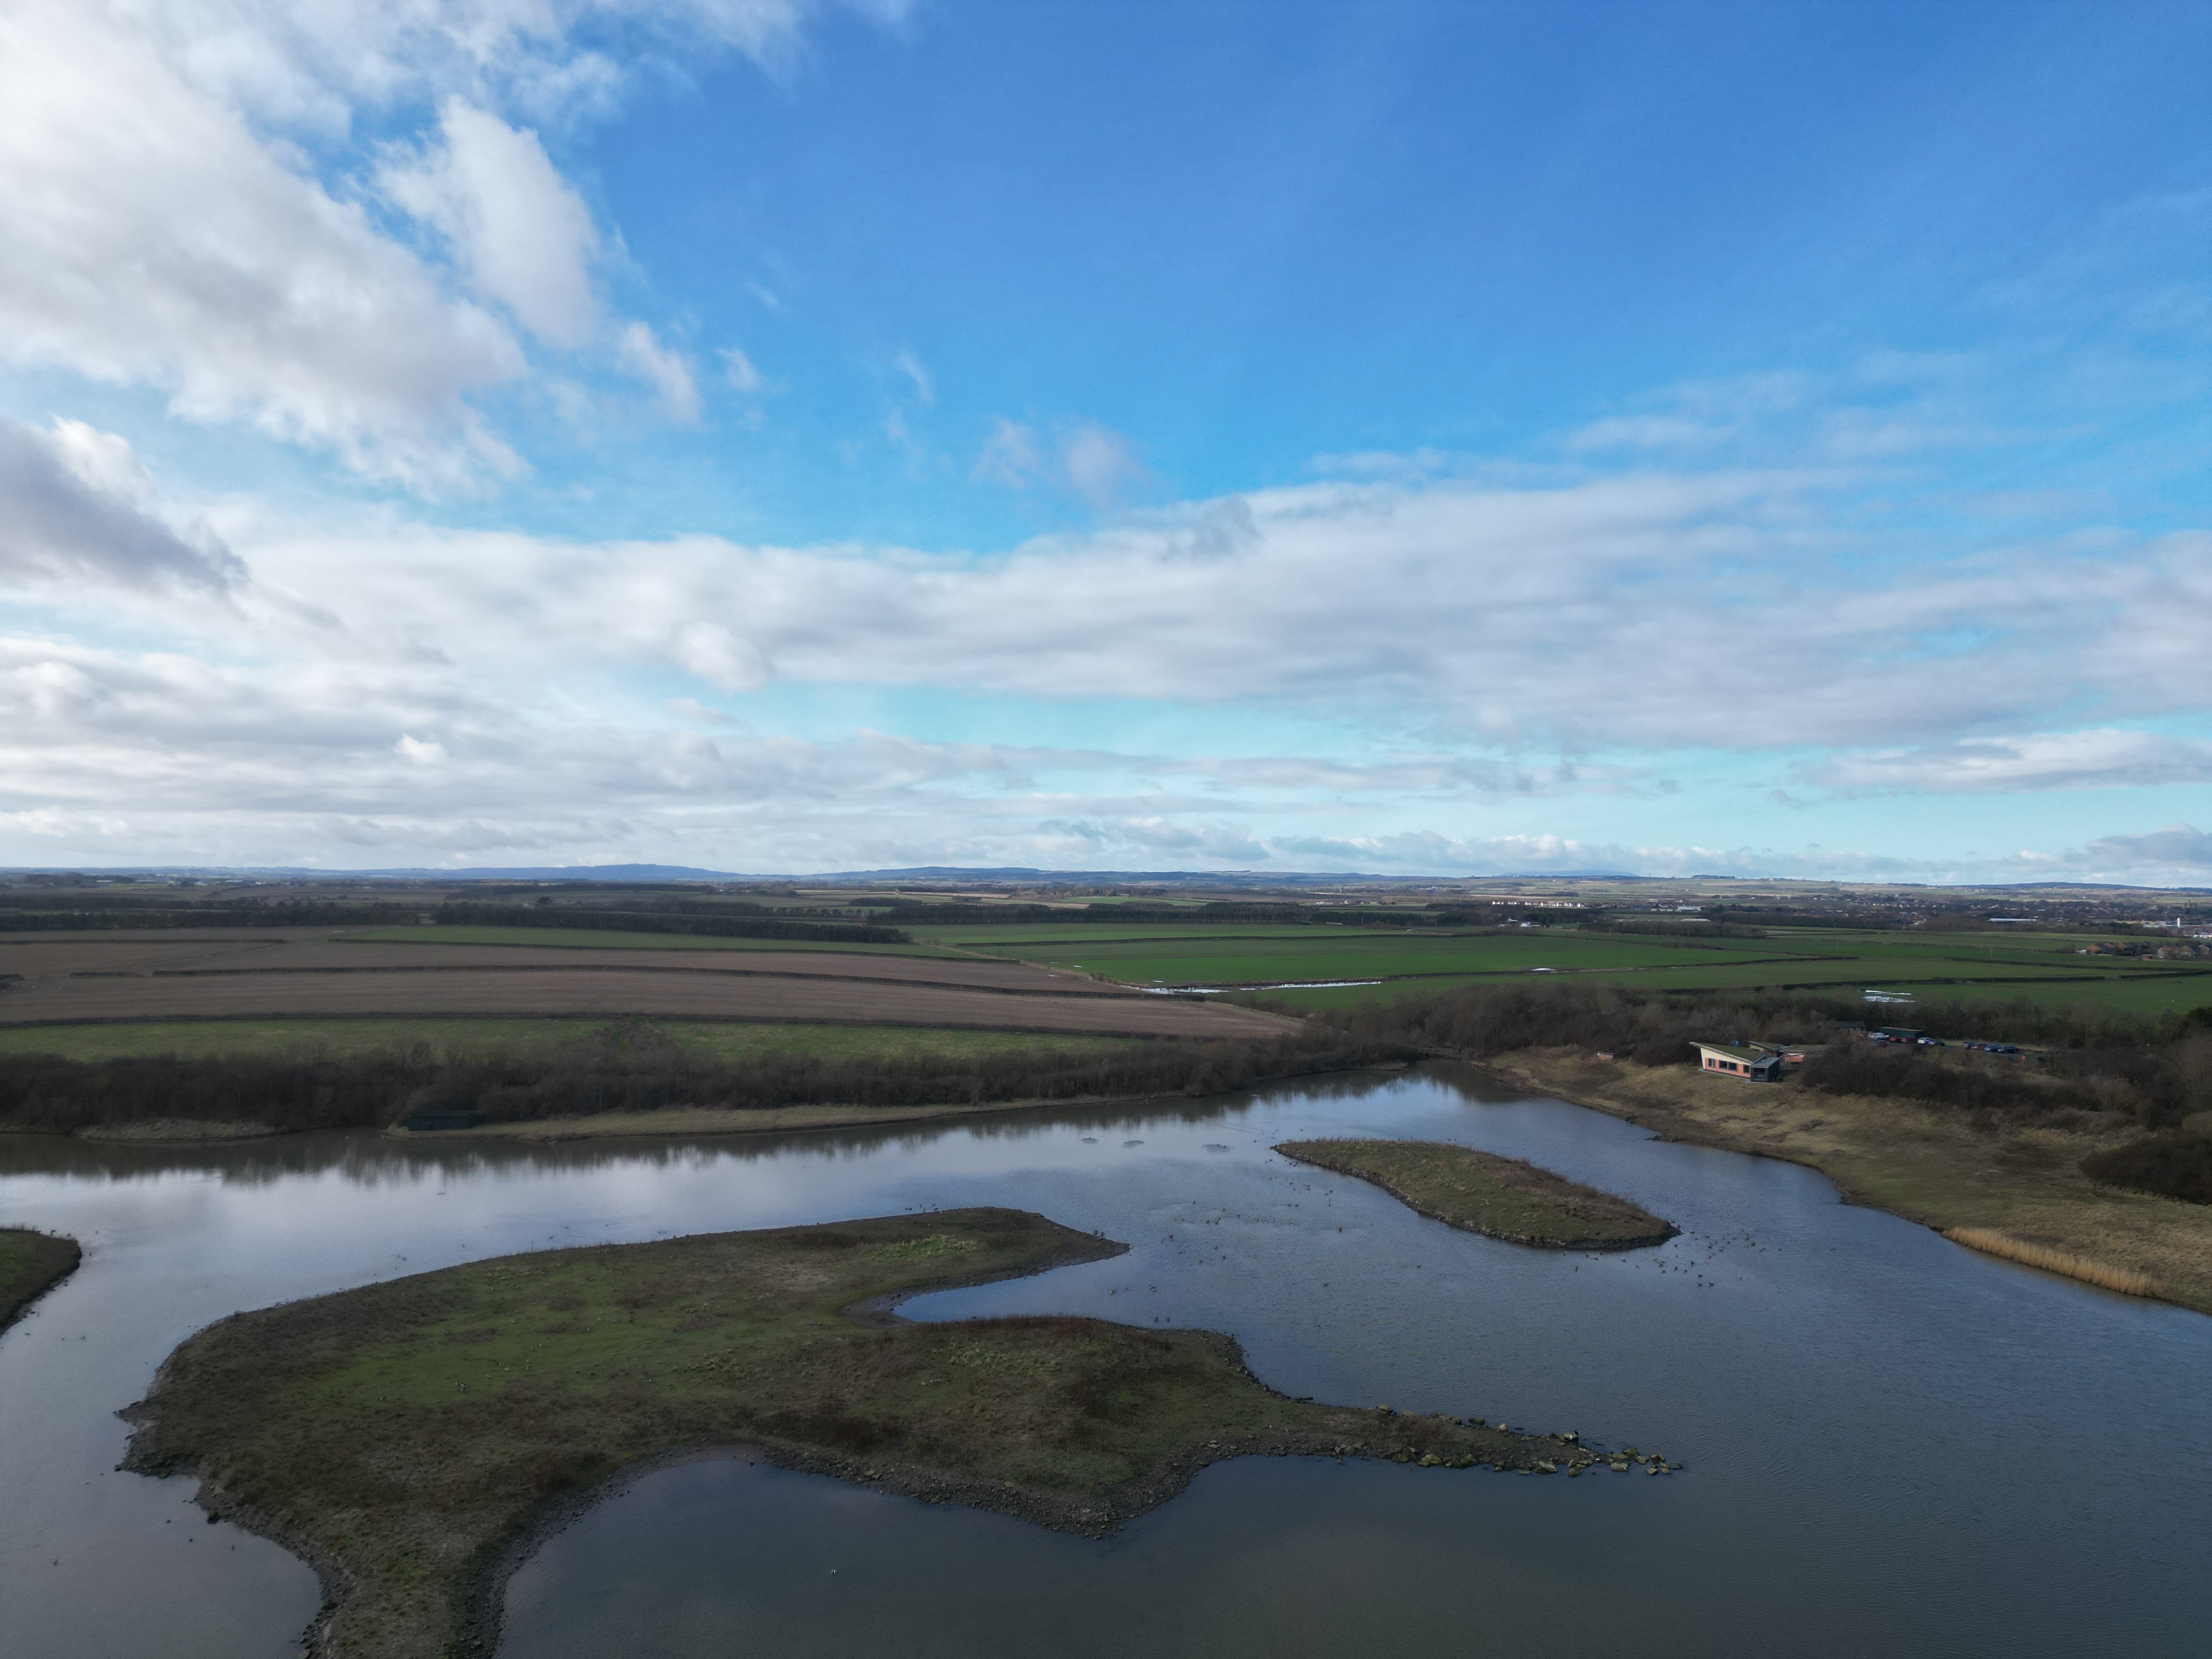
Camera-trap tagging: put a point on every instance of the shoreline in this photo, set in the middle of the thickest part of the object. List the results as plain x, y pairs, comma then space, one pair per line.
2018, 1191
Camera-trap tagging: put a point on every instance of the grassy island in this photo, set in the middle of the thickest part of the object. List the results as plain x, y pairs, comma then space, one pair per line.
31, 1264
412, 1439
1487, 1193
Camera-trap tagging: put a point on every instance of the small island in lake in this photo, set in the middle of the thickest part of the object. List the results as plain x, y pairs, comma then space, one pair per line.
1485, 1193
31, 1264
413, 1438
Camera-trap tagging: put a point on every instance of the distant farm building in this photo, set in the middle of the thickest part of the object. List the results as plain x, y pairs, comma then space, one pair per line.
1744, 1060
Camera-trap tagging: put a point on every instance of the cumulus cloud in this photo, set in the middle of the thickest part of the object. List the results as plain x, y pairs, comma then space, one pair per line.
1084, 458
2179, 848
669, 373
152, 238
165, 227
519, 229
76, 503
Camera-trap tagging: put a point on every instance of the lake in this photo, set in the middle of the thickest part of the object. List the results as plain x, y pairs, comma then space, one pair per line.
1892, 1445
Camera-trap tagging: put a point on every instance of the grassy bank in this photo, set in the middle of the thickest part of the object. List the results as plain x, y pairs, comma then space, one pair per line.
2022, 1180
1484, 1193
406, 1437
721, 1041
31, 1264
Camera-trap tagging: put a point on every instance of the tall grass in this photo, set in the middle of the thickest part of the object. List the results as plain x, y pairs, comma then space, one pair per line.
2126, 1280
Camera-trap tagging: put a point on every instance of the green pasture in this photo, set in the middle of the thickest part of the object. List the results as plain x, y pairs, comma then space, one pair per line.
592, 939
1174, 960
723, 1040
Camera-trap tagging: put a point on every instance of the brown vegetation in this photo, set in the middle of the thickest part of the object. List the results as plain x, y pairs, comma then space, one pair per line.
571, 991
1484, 1193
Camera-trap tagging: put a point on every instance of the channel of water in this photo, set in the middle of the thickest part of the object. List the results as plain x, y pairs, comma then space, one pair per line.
1892, 1446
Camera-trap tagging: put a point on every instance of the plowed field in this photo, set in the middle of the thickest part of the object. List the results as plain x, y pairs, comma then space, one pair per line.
66, 980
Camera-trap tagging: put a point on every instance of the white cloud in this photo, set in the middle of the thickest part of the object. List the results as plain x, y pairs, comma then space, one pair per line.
179, 212
2180, 849
1098, 464
1084, 458
738, 370
1010, 457
910, 366
719, 657
151, 238
519, 230
1456, 640
2104, 758
75, 505
667, 372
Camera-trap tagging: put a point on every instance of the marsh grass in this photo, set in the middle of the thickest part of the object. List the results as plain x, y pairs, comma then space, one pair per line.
2126, 1280
401, 1434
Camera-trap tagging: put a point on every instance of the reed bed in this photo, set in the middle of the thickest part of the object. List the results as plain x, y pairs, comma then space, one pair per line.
2126, 1280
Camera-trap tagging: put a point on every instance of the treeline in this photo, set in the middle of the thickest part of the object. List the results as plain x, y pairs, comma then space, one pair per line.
1685, 928
1650, 1029
660, 921
48, 1093
254, 912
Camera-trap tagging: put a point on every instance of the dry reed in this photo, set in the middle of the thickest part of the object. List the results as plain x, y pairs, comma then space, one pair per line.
2126, 1280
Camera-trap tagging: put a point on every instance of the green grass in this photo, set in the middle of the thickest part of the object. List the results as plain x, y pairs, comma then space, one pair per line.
729, 1042
592, 939
31, 1264
408, 1428
1933, 967
1484, 1193
1337, 955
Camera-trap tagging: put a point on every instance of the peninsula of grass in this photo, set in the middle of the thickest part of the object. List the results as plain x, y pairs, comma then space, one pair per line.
1484, 1193
412, 1439
31, 1264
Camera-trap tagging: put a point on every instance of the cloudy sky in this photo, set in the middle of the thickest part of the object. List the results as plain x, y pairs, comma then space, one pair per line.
785, 435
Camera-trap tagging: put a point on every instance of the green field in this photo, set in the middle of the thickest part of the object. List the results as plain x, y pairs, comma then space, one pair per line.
592, 939
1166, 958
2046, 969
728, 1041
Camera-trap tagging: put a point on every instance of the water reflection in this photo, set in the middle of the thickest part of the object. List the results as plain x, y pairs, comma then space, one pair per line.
1894, 1446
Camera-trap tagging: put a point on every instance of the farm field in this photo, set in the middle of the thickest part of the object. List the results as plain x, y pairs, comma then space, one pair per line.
522, 1036
1169, 958
593, 939
1929, 975
58, 979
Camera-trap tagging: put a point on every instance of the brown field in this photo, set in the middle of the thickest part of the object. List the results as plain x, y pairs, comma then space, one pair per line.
247, 975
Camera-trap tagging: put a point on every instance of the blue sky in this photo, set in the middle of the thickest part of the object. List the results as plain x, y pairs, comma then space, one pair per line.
775, 435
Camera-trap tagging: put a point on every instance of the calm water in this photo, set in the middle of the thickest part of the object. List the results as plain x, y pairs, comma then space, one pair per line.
1893, 1446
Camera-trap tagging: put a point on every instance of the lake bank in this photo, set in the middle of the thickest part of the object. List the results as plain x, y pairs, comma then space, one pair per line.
2022, 1184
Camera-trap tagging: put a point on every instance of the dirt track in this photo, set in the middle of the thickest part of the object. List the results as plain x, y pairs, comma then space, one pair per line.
262, 976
